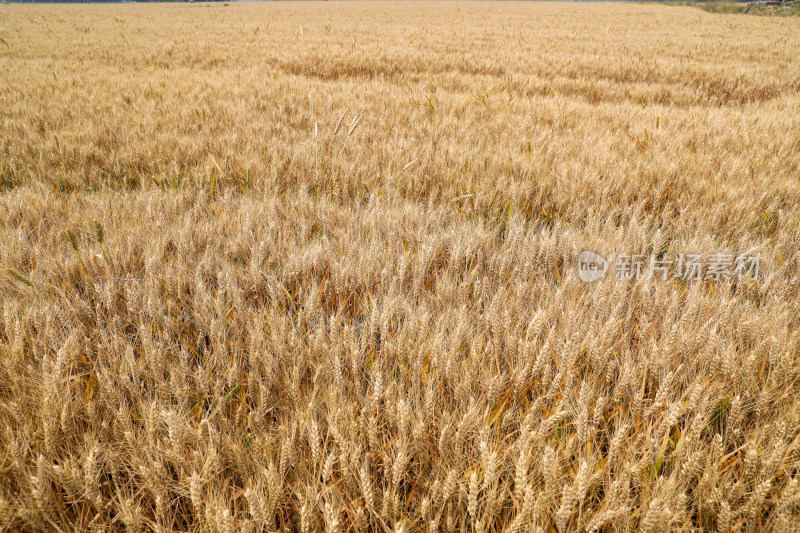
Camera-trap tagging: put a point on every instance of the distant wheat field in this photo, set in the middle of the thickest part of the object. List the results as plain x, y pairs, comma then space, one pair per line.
315, 267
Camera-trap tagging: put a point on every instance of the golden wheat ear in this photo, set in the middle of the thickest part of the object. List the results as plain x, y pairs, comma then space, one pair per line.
354, 125
101, 265
339, 123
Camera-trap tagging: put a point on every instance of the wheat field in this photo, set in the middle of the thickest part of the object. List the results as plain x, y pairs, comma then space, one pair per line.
314, 267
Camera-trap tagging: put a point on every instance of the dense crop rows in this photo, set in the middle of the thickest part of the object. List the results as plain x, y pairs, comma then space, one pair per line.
348, 239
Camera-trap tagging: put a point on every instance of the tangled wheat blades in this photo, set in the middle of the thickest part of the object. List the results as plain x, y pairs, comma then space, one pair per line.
327, 322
